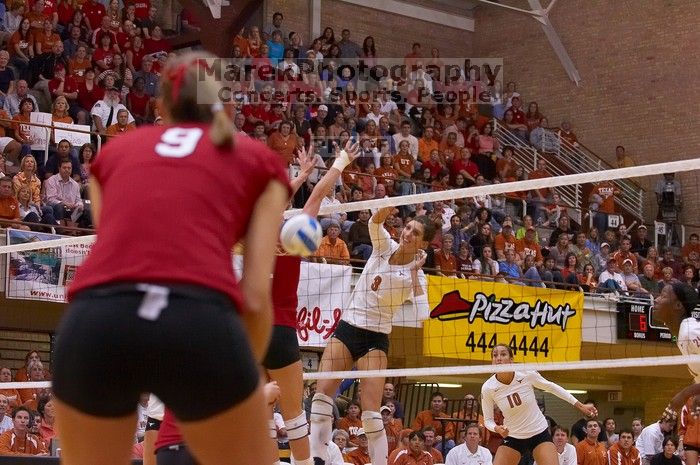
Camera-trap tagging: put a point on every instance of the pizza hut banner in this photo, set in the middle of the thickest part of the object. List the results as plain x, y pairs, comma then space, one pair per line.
468, 318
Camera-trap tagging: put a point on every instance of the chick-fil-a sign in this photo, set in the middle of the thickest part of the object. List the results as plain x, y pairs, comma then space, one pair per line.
316, 322
323, 290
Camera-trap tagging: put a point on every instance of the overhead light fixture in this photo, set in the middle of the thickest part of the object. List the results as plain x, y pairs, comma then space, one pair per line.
576, 391
442, 385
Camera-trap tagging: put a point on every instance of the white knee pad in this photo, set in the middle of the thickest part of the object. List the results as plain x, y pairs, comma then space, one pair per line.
321, 408
272, 429
297, 428
372, 424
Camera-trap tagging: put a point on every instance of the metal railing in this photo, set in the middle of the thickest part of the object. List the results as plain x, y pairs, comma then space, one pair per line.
572, 159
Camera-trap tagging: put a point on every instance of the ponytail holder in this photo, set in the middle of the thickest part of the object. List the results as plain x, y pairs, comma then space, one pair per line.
176, 77
218, 106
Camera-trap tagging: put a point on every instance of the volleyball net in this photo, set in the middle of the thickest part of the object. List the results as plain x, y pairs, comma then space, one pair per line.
586, 321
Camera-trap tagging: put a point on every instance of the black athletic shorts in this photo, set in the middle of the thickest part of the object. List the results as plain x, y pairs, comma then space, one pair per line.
283, 349
527, 445
360, 341
185, 344
178, 454
691, 447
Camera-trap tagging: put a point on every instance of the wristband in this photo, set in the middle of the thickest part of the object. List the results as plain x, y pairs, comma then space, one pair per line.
342, 161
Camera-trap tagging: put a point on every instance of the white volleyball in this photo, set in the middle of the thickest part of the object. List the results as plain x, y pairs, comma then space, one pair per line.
301, 235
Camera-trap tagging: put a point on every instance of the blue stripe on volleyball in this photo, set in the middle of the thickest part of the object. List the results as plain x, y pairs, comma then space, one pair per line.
311, 246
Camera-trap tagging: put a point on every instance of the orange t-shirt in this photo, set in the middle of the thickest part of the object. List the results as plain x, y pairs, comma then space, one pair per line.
22, 131
12, 444
12, 396
685, 251
24, 44
446, 263
591, 454
33, 16
525, 249
426, 418
425, 147
616, 456
114, 129
9, 208
405, 162
606, 190
285, 147
351, 426
385, 173
3, 115
539, 174
504, 243
46, 40
358, 457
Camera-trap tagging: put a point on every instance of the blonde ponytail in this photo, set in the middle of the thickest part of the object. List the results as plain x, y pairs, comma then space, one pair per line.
221, 130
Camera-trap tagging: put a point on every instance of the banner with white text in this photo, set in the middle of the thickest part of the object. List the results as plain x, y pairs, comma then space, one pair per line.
469, 317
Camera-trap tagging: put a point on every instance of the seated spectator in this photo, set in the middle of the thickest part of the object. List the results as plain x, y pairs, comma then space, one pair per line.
21, 48
64, 152
470, 450
505, 240
284, 141
12, 395
9, 206
564, 227
531, 275
414, 452
550, 273
485, 266
543, 138
23, 131
122, 125
510, 267
667, 277
31, 212
690, 276
570, 270
47, 428
610, 280
389, 399
527, 223
359, 241
625, 253
640, 243
632, 281
566, 133
351, 422
529, 246
465, 261
62, 193
391, 426
35, 373
104, 112
6, 422
332, 248
693, 245
427, 418
601, 258
670, 261
340, 439
47, 65
584, 255
18, 440
589, 278
360, 456
648, 280
445, 261
561, 250
432, 446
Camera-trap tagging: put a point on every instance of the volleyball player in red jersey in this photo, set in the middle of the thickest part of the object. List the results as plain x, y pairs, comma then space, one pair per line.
157, 295
283, 361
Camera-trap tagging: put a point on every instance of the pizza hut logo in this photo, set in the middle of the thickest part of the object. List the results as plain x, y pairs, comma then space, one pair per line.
503, 311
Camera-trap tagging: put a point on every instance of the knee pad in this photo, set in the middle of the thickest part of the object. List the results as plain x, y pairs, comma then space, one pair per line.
297, 428
272, 429
372, 424
321, 408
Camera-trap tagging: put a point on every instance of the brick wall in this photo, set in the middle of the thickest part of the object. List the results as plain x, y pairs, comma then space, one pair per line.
639, 70
393, 34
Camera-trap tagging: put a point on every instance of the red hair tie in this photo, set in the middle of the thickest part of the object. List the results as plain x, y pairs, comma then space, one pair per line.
176, 77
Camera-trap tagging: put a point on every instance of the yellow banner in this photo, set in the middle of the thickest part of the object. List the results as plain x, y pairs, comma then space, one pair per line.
468, 318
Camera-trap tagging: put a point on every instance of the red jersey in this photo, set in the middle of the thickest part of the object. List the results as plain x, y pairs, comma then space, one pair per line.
142, 7
88, 98
285, 282
175, 166
94, 12
138, 105
168, 434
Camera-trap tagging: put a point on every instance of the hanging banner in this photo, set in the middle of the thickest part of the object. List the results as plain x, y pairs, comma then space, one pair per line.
41, 274
469, 317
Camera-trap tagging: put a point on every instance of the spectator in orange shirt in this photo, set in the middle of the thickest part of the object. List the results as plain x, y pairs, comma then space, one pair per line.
392, 427
11, 394
567, 134
528, 246
625, 254
351, 422
9, 206
445, 261
360, 456
505, 240
429, 434
415, 453
333, 249
122, 125
283, 141
623, 451
590, 451
602, 200
427, 417
427, 144
18, 440
623, 160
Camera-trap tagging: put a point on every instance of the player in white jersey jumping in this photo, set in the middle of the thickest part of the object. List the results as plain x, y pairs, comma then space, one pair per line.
524, 426
389, 279
674, 306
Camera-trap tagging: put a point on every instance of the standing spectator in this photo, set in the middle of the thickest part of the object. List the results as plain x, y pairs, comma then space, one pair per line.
348, 48
94, 12
537, 198
390, 395
565, 132
651, 440
623, 160
275, 26
590, 451
603, 197
640, 243
612, 436
623, 452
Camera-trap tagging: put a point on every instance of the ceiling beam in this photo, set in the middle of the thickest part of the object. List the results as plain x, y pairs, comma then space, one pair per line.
417, 12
